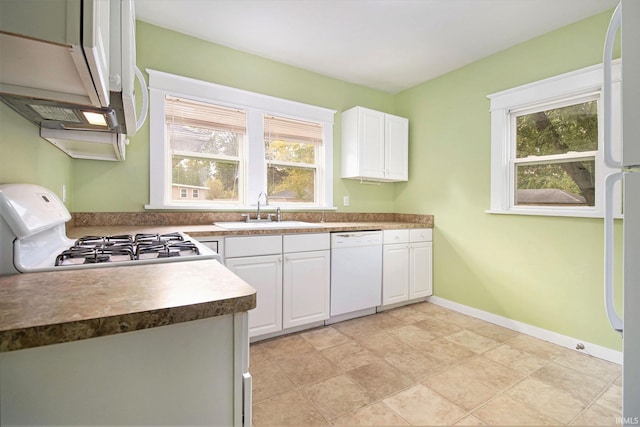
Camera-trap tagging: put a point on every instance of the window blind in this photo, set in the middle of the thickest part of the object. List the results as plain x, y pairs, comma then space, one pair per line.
281, 128
186, 112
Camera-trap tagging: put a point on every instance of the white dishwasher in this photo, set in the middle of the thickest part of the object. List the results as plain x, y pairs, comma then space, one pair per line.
356, 274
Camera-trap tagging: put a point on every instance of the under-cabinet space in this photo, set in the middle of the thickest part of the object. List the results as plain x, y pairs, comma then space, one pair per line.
215, 243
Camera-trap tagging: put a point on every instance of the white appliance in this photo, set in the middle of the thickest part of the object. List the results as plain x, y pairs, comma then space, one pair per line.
69, 67
626, 18
33, 238
356, 274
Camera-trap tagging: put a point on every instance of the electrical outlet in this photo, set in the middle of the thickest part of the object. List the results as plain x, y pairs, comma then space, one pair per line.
345, 201
64, 193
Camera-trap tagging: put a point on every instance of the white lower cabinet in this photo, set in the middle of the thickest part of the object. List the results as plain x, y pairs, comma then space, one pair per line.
291, 274
306, 286
420, 269
265, 274
395, 273
406, 265
258, 261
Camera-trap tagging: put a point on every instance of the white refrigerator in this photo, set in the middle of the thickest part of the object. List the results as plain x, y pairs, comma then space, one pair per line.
626, 19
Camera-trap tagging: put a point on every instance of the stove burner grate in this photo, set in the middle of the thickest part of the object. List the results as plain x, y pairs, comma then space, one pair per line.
104, 240
94, 255
165, 249
158, 238
125, 247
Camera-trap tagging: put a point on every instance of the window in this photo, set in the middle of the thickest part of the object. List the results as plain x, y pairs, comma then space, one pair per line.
546, 146
555, 158
291, 153
183, 193
205, 144
229, 145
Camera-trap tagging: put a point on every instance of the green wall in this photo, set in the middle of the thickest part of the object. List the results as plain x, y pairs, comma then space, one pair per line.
545, 271
124, 186
26, 158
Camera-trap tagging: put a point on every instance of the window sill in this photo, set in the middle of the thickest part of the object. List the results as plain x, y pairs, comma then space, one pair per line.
237, 208
590, 213
547, 212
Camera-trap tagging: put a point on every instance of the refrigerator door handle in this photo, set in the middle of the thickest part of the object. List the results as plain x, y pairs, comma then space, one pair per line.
607, 87
614, 318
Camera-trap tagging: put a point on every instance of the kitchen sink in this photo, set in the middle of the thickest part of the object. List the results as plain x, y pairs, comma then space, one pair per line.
259, 225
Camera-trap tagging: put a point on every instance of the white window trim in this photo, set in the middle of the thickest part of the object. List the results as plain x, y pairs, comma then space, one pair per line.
576, 84
162, 84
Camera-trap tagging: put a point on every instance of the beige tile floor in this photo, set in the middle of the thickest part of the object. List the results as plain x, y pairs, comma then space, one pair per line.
426, 365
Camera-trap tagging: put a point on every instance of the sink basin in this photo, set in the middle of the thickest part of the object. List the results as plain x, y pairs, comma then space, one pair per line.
260, 225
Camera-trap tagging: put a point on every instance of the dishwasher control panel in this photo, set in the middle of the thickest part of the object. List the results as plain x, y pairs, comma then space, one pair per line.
350, 239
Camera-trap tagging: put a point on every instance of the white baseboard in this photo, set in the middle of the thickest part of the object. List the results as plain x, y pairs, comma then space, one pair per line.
543, 334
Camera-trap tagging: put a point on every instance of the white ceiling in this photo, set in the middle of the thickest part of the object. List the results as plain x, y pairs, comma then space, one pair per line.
390, 45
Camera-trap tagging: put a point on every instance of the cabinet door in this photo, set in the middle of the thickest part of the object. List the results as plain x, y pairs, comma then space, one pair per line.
306, 288
95, 43
396, 148
420, 276
371, 143
395, 273
265, 274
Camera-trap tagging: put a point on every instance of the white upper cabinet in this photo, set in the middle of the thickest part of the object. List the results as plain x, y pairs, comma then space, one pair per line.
375, 145
396, 148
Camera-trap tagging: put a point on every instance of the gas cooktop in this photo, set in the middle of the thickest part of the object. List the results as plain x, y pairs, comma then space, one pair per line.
33, 238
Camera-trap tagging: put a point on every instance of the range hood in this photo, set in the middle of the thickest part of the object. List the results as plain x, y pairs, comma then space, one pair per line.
68, 66
90, 145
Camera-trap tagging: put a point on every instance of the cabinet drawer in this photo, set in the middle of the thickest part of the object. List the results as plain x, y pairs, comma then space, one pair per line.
252, 246
420, 235
306, 242
395, 236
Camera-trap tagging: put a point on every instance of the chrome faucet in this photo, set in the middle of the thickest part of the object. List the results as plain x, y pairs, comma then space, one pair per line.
266, 203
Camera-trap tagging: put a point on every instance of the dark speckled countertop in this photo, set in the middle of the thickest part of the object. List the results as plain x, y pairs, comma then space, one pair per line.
53, 307
213, 230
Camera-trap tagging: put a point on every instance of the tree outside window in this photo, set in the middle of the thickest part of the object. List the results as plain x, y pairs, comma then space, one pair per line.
291, 154
555, 155
546, 154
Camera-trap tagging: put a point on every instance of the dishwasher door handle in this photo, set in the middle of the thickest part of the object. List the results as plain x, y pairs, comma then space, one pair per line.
347, 235
358, 234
